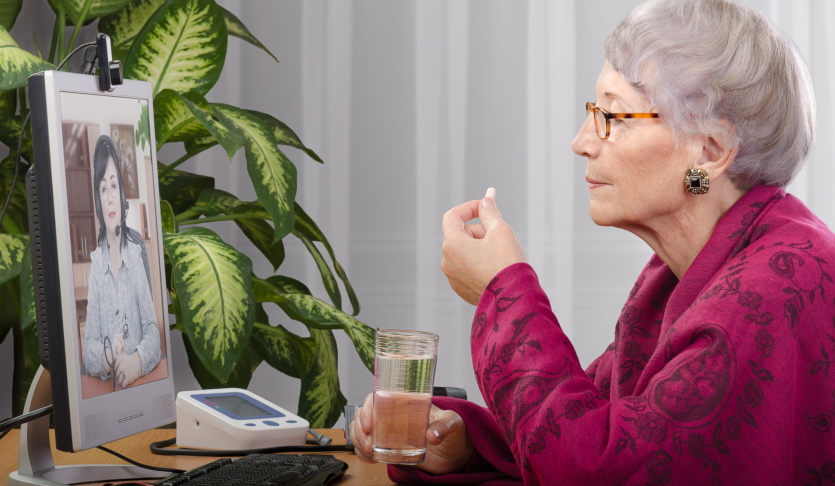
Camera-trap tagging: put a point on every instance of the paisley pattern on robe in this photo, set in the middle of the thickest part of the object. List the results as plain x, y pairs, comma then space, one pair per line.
725, 377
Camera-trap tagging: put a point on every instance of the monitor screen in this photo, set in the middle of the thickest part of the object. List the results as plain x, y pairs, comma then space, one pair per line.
238, 406
111, 206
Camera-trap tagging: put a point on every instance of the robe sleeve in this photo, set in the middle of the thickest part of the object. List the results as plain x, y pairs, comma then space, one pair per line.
562, 429
492, 462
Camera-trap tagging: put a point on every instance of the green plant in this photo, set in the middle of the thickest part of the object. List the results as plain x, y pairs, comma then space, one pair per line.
179, 46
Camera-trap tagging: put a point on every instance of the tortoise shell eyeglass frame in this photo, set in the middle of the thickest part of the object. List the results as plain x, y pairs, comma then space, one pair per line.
590, 107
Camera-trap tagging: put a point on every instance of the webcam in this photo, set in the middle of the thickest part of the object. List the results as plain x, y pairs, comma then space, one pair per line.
101, 56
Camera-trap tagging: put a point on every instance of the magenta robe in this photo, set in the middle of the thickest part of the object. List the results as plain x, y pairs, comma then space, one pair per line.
720, 378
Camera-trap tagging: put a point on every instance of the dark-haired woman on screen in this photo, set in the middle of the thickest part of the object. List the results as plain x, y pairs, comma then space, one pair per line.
121, 333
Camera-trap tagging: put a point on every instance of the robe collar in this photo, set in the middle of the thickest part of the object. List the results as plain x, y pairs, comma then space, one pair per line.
734, 231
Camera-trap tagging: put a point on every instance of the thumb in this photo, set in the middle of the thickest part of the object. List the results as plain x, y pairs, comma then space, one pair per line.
445, 424
488, 212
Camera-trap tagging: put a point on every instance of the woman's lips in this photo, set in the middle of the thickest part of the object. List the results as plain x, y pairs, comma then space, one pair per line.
593, 184
111, 214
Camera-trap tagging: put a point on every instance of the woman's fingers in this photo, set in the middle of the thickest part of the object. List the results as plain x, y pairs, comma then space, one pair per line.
445, 423
454, 219
367, 413
476, 230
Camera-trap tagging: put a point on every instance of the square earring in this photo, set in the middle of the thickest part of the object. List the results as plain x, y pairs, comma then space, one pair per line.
696, 181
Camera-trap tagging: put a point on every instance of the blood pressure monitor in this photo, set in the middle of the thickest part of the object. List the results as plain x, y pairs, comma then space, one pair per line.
235, 419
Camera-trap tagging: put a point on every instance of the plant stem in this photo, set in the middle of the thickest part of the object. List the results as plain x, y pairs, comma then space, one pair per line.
174, 164
186, 215
54, 41
37, 46
78, 23
225, 217
62, 32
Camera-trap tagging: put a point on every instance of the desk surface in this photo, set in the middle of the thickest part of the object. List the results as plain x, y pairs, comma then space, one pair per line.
136, 447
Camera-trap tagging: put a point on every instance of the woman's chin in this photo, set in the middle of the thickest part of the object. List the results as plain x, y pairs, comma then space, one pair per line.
601, 213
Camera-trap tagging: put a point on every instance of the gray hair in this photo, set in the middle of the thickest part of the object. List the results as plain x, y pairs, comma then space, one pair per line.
700, 62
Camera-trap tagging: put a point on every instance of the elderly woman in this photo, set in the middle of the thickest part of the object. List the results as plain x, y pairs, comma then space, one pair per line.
719, 370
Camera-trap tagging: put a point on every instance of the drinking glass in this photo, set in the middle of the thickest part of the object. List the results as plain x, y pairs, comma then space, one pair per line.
404, 374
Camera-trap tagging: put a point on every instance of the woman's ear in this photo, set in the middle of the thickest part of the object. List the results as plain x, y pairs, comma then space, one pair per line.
717, 155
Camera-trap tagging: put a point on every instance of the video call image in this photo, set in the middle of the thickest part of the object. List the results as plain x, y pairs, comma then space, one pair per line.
112, 209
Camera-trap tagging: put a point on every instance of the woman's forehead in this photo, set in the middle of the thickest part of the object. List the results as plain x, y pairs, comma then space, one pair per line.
612, 86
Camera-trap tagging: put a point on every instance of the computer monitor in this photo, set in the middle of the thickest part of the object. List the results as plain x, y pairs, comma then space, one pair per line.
97, 258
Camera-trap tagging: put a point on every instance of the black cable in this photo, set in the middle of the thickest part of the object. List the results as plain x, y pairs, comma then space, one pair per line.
135, 463
13, 422
160, 449
4, 434
23, 130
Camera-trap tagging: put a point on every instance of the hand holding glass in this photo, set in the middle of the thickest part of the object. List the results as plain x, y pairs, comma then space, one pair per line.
404, 373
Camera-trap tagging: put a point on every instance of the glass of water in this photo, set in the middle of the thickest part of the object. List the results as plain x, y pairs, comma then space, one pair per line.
404, 374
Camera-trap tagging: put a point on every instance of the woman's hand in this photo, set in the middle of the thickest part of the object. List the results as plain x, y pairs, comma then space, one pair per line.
118, 343
131, 366
448, 447
474, 253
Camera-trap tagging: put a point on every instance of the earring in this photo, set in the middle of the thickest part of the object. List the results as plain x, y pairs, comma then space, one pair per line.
696, 181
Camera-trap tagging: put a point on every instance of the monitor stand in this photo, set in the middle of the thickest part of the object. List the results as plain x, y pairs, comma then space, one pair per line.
34, 461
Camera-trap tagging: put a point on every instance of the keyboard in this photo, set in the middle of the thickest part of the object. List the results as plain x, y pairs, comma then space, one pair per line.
263, 470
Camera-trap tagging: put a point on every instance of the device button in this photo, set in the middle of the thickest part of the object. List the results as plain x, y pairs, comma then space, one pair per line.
291, 421
250, 425
270, 422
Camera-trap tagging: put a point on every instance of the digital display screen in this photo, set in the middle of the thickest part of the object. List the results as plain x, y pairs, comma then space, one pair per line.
238, 406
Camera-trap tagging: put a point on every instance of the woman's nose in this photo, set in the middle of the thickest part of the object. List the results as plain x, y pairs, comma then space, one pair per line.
586, 143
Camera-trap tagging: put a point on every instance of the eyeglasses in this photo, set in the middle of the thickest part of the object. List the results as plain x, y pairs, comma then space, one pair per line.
113, 191
602, 117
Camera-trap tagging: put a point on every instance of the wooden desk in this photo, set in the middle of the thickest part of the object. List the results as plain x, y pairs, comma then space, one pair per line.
136, 447
93, 386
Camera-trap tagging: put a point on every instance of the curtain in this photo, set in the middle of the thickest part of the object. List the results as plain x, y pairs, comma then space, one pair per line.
420, 105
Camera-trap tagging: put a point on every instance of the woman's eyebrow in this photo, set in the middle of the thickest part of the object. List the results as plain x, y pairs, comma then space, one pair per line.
617, 97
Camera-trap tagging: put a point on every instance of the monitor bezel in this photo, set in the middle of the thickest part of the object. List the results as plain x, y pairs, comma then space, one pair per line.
134, 400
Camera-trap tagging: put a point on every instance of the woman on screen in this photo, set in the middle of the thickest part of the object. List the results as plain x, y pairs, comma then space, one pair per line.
121, 333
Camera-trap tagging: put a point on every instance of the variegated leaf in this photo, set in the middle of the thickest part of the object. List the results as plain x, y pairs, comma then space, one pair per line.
182, 47
124, 25
261, 234
8, 103
328, 280
10, 135
213, 202
236, 28
173, 121
54, 5
12, 251
214, 288
200, 144
18, 212
304, 225
180, 188
227, 138
280, 347
8, 12
240, 376
27, 291
321, 401
288, 285
315, 313
285, 135
169, 222
16, 64
271, 172
96, 9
